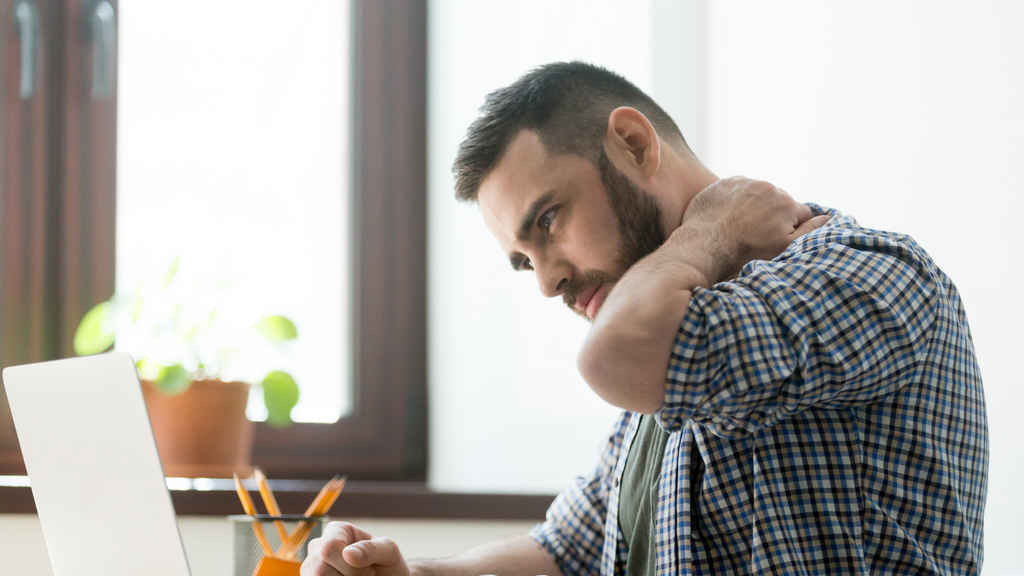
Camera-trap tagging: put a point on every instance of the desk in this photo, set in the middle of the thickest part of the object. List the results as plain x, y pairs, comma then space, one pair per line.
423, 523
208, 540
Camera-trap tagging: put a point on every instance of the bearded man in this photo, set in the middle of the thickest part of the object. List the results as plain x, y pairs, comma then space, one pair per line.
801, 393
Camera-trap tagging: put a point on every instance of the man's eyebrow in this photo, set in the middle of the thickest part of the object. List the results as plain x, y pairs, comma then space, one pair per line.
526, 224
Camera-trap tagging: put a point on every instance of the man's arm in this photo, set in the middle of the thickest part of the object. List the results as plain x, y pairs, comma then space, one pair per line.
573, 532
348, 550
844, 320
624, 356
518, 555
733, 221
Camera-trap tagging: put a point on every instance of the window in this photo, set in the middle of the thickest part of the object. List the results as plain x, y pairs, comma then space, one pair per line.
233, 154
58, 252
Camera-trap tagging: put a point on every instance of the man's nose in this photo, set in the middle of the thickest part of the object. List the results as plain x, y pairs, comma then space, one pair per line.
553, 278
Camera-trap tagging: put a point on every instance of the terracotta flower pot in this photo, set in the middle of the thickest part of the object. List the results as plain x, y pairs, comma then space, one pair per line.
203, 432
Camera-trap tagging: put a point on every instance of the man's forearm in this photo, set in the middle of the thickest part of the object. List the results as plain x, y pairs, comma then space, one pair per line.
626, 352
515, 556
726, 225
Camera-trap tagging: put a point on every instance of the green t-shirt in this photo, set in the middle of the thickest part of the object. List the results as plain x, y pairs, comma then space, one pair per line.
638, 495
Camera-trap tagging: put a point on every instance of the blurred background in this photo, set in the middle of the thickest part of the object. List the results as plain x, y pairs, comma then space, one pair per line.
298, 157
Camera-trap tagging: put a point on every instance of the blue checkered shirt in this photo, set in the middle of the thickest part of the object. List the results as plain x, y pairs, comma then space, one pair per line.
826, 416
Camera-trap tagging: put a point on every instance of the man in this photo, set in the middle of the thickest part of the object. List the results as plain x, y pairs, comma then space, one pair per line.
801, 393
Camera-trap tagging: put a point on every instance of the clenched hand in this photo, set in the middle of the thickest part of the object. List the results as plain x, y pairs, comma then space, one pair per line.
350, 551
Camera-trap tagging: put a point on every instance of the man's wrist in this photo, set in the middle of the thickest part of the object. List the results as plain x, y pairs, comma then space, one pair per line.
423, 567
702, 258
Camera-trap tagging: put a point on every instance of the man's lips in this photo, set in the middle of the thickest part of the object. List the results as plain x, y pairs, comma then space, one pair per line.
591, 299
584, 298
597, 300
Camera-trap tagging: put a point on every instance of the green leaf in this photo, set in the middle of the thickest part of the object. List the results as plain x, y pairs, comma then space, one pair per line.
172, 271
277, 328
95, 332
280, 394
138, 306
148, 370
173, 380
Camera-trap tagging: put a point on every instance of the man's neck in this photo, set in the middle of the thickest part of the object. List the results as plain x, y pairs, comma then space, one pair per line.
684, 177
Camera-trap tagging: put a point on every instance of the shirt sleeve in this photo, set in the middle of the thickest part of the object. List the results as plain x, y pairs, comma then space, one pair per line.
841, 324
573, 533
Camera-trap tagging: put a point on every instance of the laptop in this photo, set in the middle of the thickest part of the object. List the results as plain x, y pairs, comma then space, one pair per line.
94, 469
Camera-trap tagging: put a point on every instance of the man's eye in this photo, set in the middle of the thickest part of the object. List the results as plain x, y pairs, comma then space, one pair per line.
526, 265
547, 219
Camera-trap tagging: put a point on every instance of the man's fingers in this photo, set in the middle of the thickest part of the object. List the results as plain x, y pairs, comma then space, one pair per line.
803, 212
810, 225
345, 532
331, 546
376, 552
314, 564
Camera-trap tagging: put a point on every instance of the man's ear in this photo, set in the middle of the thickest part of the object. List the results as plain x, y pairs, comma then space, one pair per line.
632, 138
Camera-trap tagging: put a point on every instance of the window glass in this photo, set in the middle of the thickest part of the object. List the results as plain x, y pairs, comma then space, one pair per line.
233, 154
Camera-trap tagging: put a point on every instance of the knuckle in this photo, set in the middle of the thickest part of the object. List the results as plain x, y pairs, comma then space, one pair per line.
370, 546
337, 525
331, 549
379, 548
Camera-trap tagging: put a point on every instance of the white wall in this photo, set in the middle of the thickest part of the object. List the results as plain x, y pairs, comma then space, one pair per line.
208, 541
509, 412
910, 117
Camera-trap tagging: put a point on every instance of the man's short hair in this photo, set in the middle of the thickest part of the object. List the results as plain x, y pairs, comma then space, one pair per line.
566, 103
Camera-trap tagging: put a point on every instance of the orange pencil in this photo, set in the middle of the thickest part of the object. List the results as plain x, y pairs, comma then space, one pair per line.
250, 509
328, 495
319, 497
333, 496
270, 502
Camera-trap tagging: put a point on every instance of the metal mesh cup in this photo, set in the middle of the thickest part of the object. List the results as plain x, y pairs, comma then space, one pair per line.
249, 530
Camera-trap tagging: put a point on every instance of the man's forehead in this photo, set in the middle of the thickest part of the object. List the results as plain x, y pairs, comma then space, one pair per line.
521, 175
526, 172
499, 213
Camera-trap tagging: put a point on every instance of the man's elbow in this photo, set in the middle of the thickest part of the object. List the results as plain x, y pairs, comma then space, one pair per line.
619, 377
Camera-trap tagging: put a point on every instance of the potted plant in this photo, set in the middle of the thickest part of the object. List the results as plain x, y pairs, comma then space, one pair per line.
197, 358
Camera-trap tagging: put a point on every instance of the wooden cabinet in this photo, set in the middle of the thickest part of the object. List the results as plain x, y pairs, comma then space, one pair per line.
57, 179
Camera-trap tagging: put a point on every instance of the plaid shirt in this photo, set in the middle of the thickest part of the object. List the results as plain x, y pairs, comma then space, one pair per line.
826, 416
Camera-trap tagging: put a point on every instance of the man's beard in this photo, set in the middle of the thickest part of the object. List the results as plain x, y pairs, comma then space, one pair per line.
640, 231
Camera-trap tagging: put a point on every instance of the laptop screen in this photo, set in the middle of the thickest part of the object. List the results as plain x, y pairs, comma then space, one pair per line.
93, 465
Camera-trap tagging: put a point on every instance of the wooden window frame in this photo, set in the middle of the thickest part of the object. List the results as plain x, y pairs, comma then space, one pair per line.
57, 257
385, 436
57, 164
359, 500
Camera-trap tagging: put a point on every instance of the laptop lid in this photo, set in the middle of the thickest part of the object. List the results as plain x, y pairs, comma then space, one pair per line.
93, 466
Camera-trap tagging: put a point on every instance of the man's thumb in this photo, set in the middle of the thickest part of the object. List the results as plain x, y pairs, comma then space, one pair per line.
375, 552
810, 225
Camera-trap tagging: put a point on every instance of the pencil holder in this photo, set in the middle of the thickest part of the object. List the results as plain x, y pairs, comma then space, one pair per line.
273, 545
